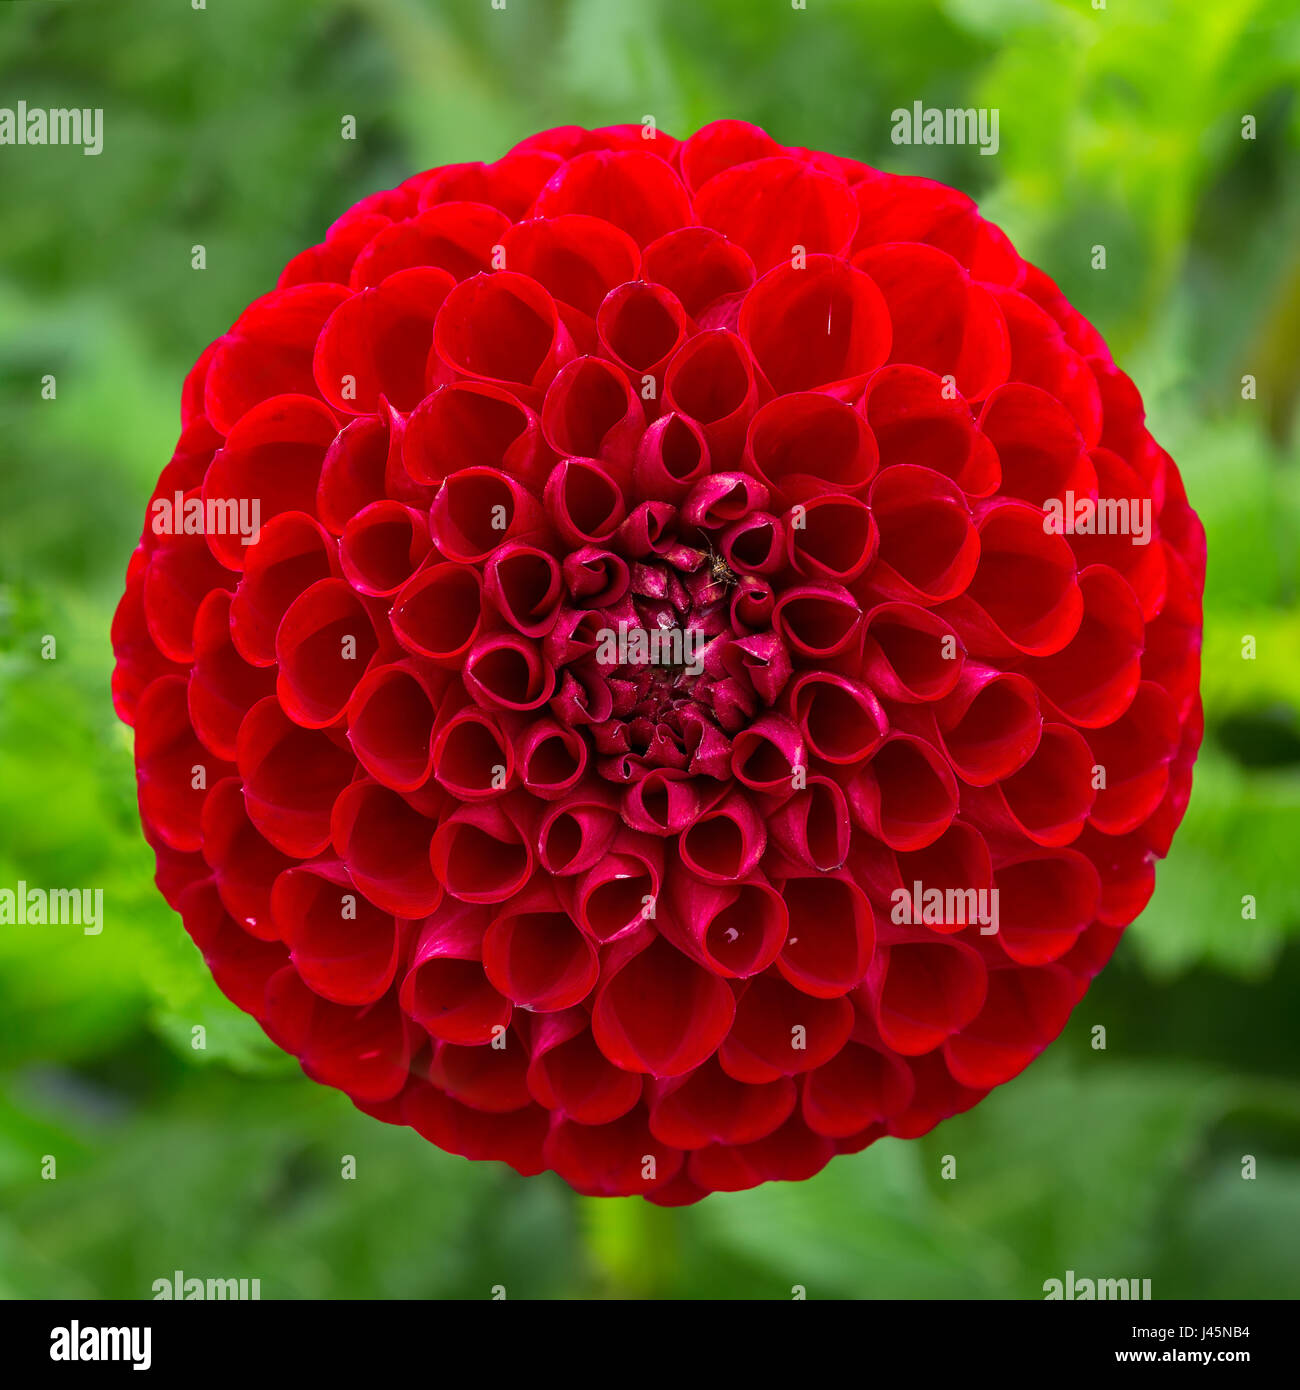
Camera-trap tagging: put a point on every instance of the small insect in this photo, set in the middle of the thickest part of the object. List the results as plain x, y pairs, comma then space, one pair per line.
719, 569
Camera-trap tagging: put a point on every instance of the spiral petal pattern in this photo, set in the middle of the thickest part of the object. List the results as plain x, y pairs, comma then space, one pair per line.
654, 603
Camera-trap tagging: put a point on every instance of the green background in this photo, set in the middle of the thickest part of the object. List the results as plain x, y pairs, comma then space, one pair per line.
1120, 126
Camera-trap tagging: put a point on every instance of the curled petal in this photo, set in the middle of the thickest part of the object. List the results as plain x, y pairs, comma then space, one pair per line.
942, 322
579, 259
377, 343
789, 1154
384, 842
710, 1107
989, 724
831, 937
353, 474
722, 145
841, 720
722, 498
364, 1051
612, 1160
754, 544
665, 801
271, 463
343, 947
711, 380
672, 456
173, 769
1093, 679
584, 502
805, 444
915, 419
472, 756
390, 724
640, 327
906, 795
268, 352
291, 777
725, 843
813, 826
735, 929
617, 896
457, 237
244, 863
445, 990
223, 687
591, 410
767, 755
822, 324
489, 1080
1025, 1010
481, 855
382, 547
473, 423
929, 546
479, 509
1040, 451
437, 613
1048, 800
778, 207
922, 992
959, 861
691, 1012
1136, 752
507, 671
568, 1073
901, 207
574, 836
832, 539
1044, 901
633, 189
860, 1086
909, 653
323, 645
552, 759
535, 955
817, 620
782, 1031
293, 553
178, 574
699, 265
762, 660
525, 585
600, 577
503, 327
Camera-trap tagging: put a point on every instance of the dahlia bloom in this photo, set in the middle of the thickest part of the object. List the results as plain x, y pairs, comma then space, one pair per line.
655, 610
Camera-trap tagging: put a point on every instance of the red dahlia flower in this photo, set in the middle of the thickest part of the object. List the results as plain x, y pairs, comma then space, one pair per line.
677, 721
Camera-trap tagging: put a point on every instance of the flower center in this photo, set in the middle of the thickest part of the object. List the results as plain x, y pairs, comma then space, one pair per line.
661, 665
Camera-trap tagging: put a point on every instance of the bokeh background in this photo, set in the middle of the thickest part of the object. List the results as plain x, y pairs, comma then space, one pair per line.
1120, 126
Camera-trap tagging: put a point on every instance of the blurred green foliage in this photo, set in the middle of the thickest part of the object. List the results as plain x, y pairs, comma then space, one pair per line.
1120, 126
